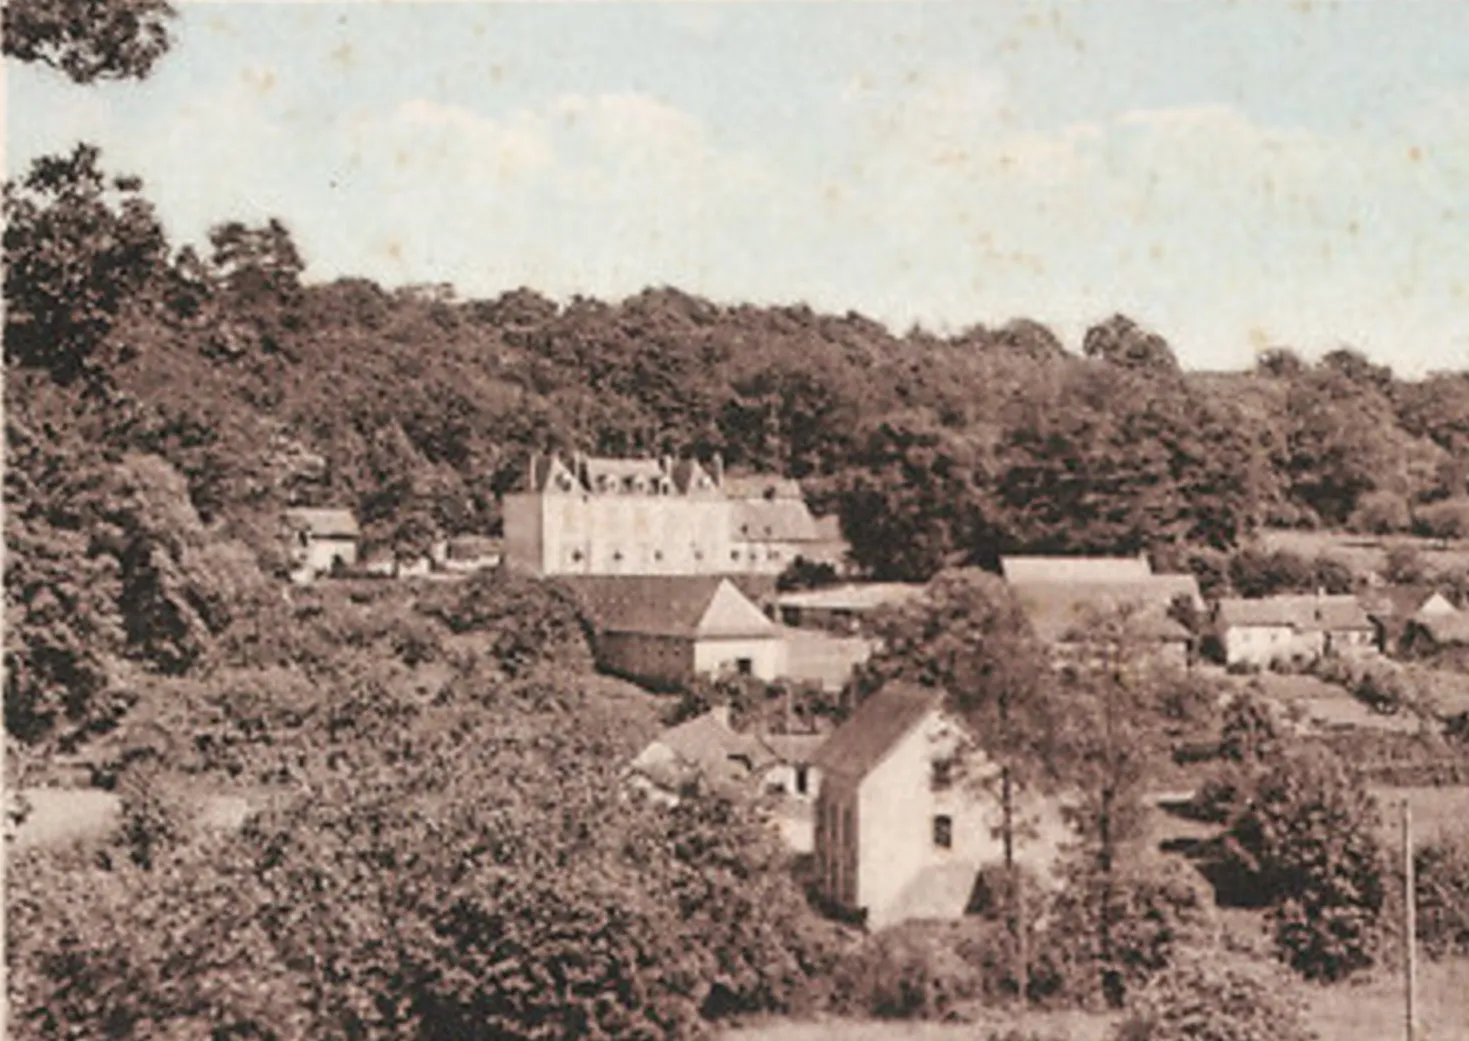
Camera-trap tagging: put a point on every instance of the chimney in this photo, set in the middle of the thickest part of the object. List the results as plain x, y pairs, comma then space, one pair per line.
533, 475
720, 712
717, 466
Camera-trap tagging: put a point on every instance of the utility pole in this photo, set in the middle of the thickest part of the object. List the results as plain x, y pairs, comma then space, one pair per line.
1410, 925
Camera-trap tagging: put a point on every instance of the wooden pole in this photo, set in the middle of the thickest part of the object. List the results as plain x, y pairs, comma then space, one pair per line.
1410, 925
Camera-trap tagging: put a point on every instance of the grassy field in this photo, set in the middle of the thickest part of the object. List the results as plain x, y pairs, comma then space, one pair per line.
1364, 553
1371, 1010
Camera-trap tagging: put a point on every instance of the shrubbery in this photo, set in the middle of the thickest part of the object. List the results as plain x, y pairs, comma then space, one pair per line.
1306, 840
1215, 998
1441, 874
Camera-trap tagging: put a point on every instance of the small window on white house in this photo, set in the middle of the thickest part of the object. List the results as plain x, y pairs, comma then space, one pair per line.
734, 554
745, 666
943, 774
803, 778
943, 831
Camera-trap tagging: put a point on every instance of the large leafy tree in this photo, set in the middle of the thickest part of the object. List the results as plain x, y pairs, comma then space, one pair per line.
80, 248
89, 40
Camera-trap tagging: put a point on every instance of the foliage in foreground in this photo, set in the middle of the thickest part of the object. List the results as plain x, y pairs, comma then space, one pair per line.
1215, 999
469, 869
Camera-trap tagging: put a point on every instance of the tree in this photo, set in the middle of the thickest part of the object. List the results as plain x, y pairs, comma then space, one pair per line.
1381, 512
80, 248
969, 637
89, 40
1110, 738
1122, 342
1307, 837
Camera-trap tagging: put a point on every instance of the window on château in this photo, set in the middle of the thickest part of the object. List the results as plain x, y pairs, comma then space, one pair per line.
943, 774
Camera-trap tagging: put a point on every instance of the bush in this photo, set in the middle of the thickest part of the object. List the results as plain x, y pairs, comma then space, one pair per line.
912, 971
1156, 911
1248, 733
1307, 841
1448, 519
1441, 877
1214, 999
526, 621
1380, 512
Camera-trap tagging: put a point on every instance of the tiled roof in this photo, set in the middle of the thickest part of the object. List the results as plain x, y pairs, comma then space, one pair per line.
323, 522
1400, 601
1057, 609
715, 749
794, 748
879, 723
1306, 612
773, 520
1075, 569
670, 605
769, 487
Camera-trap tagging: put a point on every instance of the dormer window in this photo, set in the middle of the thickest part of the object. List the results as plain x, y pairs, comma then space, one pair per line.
563, 482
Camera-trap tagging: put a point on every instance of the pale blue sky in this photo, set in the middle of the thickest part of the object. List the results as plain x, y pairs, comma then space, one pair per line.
1233, 174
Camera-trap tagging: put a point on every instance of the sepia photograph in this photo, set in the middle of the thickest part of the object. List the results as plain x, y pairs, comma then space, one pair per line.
749, 520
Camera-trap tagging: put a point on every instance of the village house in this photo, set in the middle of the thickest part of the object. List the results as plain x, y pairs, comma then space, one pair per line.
707, 751
320, 541
599, 516
1280, 630
1392, 608
1439, 633
1065, 596
663, 630
903, 824
467, 553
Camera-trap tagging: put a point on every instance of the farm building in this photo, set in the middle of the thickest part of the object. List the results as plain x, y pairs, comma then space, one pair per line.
1280, 629
1064, 596
320, 541
663, 630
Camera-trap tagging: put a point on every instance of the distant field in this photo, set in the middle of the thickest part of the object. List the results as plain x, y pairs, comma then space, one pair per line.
1436, 811
1366, 552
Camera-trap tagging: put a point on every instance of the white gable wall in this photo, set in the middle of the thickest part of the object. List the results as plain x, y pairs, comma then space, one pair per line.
896, 807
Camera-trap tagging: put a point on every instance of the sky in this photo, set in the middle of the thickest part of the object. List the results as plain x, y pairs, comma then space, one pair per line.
1235, 175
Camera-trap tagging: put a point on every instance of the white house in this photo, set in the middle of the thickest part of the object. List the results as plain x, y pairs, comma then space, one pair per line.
1280, 629
903, 822
320, 541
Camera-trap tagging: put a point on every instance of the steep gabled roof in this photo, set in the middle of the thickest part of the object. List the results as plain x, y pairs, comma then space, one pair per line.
1445, 629
324, 523
880, 722
1398, 601
689, 476
1064, 569
1305, 613
692, 606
